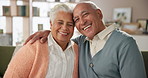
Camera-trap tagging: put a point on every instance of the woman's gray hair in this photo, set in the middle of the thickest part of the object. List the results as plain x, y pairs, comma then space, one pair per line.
59, 7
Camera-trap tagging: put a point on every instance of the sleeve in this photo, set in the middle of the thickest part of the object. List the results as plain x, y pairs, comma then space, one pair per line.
21, 63
75, 40
131, 63
79, 40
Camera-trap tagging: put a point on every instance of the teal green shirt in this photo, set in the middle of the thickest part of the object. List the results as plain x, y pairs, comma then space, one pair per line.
119, 58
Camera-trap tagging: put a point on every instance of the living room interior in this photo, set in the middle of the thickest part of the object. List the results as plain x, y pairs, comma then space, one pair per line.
21, 18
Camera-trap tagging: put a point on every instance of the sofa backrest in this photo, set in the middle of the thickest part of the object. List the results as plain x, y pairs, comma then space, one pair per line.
6, 53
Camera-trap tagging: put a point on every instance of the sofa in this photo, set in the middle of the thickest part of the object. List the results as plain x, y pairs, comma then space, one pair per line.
145, 58
6, 53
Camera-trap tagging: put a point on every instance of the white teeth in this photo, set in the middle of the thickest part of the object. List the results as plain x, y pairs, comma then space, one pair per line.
63, 33
86, 27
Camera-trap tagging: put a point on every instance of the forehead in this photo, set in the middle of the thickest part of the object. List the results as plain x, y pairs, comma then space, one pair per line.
64, 16
81, 7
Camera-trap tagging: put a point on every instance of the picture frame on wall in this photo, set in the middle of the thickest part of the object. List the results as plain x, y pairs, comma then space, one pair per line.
6, 11
131, 28
144, 25
122, 14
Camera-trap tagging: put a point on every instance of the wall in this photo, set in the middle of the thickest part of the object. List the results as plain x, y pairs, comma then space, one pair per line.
142, 42
139, 8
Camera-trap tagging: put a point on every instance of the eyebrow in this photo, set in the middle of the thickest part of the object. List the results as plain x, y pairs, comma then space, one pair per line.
70, 22
59, 20
63, 21
81, 14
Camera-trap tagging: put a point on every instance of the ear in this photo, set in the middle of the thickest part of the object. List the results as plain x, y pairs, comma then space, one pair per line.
100, 13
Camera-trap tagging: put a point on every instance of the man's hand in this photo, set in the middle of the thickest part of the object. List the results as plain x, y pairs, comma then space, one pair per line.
42, 35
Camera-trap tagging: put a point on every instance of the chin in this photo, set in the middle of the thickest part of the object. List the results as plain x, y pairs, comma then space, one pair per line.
64, 40
89, 35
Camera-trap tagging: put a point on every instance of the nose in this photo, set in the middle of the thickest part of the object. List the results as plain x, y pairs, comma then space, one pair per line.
64, 27
82, 21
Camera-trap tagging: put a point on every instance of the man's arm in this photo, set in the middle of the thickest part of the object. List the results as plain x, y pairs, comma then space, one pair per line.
131, 62
42, 35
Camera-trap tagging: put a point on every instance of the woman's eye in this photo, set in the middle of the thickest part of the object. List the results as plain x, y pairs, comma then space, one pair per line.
70, 24
60, 22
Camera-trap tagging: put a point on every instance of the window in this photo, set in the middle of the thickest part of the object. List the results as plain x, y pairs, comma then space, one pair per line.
25, 17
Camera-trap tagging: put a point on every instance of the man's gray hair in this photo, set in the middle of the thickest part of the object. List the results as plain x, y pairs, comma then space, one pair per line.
59, 7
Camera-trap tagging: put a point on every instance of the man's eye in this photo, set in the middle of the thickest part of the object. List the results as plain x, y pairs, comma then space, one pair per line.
76, 20
85, 14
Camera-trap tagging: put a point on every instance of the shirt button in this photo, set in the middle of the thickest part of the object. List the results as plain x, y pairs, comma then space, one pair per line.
91, 65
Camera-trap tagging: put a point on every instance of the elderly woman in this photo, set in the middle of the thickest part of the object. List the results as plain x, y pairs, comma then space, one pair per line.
56, 58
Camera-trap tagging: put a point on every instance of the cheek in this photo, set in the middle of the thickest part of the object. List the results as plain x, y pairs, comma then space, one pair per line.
71, 30
77, 27
56, 26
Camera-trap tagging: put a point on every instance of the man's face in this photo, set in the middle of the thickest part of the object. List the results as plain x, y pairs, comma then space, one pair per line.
62, 27
87, 19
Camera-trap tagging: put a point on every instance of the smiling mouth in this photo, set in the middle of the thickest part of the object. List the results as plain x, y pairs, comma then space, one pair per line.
86, 27
63, 33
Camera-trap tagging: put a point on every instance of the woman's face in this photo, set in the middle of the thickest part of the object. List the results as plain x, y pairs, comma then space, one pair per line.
62, 27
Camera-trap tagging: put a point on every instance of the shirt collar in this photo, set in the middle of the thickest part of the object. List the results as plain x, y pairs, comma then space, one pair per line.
103, 33
52, 42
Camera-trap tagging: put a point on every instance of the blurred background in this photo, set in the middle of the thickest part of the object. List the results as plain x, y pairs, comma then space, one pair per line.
20, 18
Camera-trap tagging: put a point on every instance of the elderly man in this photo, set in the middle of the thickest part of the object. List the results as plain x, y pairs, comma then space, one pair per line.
105, 51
